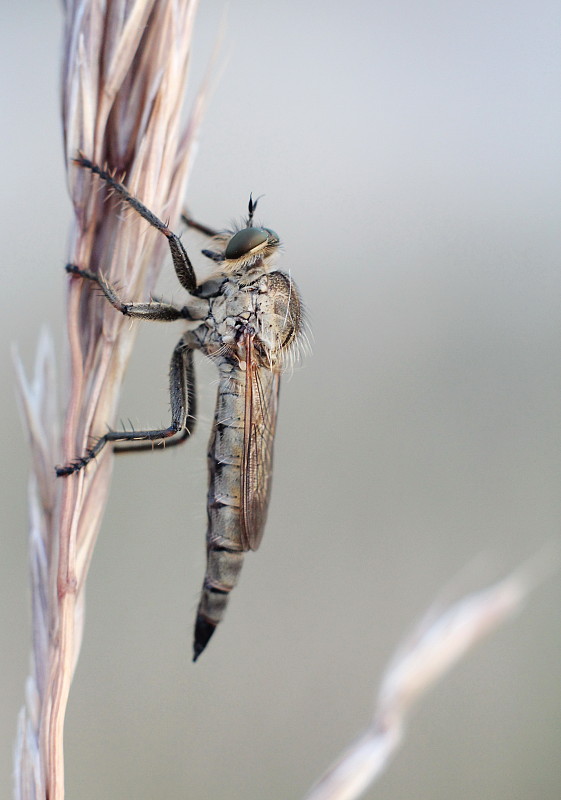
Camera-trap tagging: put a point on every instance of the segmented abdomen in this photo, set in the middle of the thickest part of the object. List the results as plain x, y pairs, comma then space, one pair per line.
224, 546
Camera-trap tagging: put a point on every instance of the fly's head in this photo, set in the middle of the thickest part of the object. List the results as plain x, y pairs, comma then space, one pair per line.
246, 249
250, 248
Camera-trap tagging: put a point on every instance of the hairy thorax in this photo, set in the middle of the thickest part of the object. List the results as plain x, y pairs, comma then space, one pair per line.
258, 304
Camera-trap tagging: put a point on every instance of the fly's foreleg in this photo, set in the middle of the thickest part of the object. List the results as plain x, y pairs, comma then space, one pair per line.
183, 267
183, 410
197, 226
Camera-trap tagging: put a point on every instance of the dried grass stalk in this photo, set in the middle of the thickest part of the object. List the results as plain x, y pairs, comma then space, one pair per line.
439, 641
123, 85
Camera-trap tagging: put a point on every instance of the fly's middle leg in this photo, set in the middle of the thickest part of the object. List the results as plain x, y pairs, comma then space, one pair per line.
157, 311
183, 409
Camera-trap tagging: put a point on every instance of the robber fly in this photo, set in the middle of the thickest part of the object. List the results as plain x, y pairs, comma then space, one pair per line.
249, 319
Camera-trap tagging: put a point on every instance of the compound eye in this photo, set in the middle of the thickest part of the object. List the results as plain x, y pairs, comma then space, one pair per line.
273, 236
245, 241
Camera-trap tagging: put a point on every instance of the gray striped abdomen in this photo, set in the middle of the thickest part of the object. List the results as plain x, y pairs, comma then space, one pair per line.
224, 546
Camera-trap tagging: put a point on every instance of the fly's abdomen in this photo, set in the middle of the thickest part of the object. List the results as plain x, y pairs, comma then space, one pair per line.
223, 569
224, 545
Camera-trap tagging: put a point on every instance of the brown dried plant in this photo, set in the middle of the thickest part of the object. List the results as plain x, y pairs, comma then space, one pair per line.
123, 85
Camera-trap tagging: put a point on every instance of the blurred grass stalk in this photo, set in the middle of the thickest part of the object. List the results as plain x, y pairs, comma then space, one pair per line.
440, 640
123, 85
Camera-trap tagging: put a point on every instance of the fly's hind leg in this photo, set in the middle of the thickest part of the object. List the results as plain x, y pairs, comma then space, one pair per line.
183, 410
183, 398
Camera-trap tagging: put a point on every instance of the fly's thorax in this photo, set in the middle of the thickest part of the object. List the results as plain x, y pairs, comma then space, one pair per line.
263, 305
278, 316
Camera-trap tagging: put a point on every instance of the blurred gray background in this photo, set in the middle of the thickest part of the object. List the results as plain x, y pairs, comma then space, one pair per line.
409, 154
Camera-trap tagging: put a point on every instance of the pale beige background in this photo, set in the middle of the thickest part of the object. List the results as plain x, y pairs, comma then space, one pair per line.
409, 153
